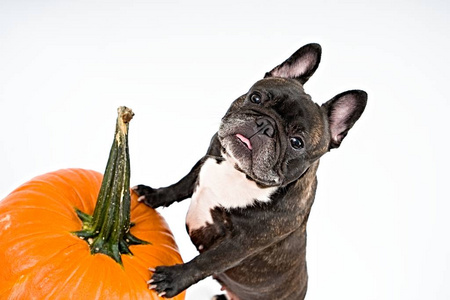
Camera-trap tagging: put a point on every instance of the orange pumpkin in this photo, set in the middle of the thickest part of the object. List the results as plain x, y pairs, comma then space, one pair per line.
47, 251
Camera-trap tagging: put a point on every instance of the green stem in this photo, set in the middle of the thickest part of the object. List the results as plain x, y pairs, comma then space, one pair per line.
107, 231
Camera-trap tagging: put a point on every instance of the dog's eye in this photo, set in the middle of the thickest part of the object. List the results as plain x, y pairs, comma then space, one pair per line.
255, 98
296, 143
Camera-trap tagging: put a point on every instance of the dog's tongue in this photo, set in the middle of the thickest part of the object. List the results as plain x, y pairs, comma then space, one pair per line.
245, 140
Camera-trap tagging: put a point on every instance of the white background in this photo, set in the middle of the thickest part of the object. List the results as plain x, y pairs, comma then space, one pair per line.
379, 226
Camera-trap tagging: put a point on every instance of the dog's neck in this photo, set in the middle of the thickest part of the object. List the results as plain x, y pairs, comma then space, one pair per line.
305, 188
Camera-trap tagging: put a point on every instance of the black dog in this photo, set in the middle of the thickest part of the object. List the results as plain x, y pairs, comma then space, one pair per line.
253, 190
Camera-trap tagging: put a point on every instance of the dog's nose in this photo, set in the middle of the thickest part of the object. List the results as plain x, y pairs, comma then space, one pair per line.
264, 126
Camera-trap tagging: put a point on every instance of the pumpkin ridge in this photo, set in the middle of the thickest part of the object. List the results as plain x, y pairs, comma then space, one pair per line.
84, 178
62, 284
43, 201
37, 236
38, 265
132, 268
159, 257
43, 210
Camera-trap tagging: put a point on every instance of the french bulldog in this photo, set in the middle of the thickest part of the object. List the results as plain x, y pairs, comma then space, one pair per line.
251, 194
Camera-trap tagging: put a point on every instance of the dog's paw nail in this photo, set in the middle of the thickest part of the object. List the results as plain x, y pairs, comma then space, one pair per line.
141, 198
152, 287
162, 294
152, 270
134, 188
150, 281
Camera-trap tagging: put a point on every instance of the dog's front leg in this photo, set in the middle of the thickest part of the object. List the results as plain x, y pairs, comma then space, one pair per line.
165, 196
169, 281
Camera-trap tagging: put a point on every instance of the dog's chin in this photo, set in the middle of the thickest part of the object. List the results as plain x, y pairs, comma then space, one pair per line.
254, 162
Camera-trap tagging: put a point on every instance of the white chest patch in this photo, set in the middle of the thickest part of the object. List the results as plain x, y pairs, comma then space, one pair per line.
221, 185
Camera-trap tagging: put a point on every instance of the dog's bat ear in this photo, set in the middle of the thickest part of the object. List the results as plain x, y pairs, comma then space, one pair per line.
301, 65
343, 111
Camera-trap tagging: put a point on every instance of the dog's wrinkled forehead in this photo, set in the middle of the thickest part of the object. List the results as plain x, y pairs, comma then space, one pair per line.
286, 96
279, 86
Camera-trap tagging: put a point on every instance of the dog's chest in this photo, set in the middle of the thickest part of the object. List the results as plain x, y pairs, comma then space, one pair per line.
221, 185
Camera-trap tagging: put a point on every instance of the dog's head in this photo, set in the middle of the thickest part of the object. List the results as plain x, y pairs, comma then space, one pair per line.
275, 131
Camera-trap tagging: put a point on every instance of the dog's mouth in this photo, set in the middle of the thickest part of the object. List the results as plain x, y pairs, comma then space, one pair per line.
255, 158
251, 148
244, 141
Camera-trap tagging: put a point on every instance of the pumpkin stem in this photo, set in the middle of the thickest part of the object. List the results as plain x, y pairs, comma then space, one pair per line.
107, 231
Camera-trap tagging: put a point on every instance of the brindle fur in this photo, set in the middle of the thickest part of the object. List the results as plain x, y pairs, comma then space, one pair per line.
258, 252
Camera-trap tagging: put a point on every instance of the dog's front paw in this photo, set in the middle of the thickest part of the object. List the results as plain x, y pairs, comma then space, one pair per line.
147, 195
169, 281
